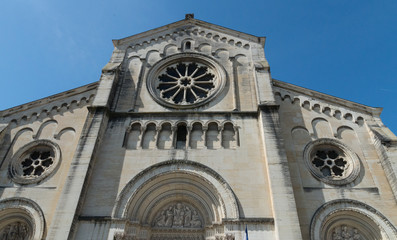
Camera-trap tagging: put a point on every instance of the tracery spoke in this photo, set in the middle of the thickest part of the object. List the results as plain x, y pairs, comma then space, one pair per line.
169, 89
198, 77
202, 89
170, 76
200, 82
167, 83
194, 93
194, 72
176, 93
177, 71
184, 95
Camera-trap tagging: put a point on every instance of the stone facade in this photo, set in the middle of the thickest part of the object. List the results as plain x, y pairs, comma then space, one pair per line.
187, 136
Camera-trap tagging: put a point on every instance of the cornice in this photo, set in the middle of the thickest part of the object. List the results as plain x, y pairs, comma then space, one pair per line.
48, 100
325, 98
190, 27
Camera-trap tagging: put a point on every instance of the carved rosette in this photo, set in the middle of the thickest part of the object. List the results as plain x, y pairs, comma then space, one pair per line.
178, 215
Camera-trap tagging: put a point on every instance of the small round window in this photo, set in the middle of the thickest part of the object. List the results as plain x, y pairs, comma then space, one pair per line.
331, 161
185, 80
34, 162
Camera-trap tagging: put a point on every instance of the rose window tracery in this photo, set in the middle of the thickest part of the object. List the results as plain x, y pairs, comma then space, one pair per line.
34, 161
186, 82
331, 161
37, 161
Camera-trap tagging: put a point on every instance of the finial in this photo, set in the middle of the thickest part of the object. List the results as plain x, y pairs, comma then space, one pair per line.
189, 16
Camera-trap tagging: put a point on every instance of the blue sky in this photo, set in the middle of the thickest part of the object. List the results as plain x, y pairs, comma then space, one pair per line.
347, 49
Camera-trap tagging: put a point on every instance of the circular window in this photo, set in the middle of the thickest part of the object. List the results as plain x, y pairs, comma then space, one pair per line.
34, 162
185, 80
331, 161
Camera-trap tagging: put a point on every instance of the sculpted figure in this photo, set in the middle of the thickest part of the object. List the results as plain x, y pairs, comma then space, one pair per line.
188, 217
4, 235
13, 233
345, 234
178, 215
170, 217
336, 235
195, 222
161, 220
356, 235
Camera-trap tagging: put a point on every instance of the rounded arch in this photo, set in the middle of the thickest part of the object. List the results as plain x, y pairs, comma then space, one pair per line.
194, 183
340, 215
196, 122
25, 211
150, 123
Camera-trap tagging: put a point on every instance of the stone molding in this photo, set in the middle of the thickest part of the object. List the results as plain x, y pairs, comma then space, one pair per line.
287, 90
230, 208
30, 211
188, 28
321, 107
16, 172
349, 174
44, 103
327, 211
51, 109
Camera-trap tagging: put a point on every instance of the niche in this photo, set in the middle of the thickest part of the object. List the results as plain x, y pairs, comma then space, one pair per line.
149, 137
134, 136
196, 136
181, 136
212, 137
165, 137
229, 139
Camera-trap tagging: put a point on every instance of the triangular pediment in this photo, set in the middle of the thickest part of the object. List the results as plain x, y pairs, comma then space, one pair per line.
188, 26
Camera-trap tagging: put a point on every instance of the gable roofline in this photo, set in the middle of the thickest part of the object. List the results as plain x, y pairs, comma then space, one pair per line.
374, 111
191, 21
49, 99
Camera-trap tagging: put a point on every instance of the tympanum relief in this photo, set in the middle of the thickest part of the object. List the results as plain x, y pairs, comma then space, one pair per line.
15, 231
178, 215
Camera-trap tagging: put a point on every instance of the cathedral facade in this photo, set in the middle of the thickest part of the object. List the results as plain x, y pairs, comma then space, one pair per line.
187, 136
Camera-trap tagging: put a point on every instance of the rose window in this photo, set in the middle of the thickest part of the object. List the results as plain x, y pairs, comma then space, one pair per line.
34, 161
185, 80
37, 161
186, 83
331, 161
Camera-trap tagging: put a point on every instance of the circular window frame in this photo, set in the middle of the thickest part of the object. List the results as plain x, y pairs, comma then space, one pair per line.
15, 170
159, 67
353, 162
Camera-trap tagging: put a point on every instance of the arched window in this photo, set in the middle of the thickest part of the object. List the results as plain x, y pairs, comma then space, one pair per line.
181, 136
188, 45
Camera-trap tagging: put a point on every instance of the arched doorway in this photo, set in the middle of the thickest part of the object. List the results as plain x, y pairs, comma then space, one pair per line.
176, 200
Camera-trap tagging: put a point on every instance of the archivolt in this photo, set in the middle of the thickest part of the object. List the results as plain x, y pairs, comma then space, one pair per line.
376, 224
176, 181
